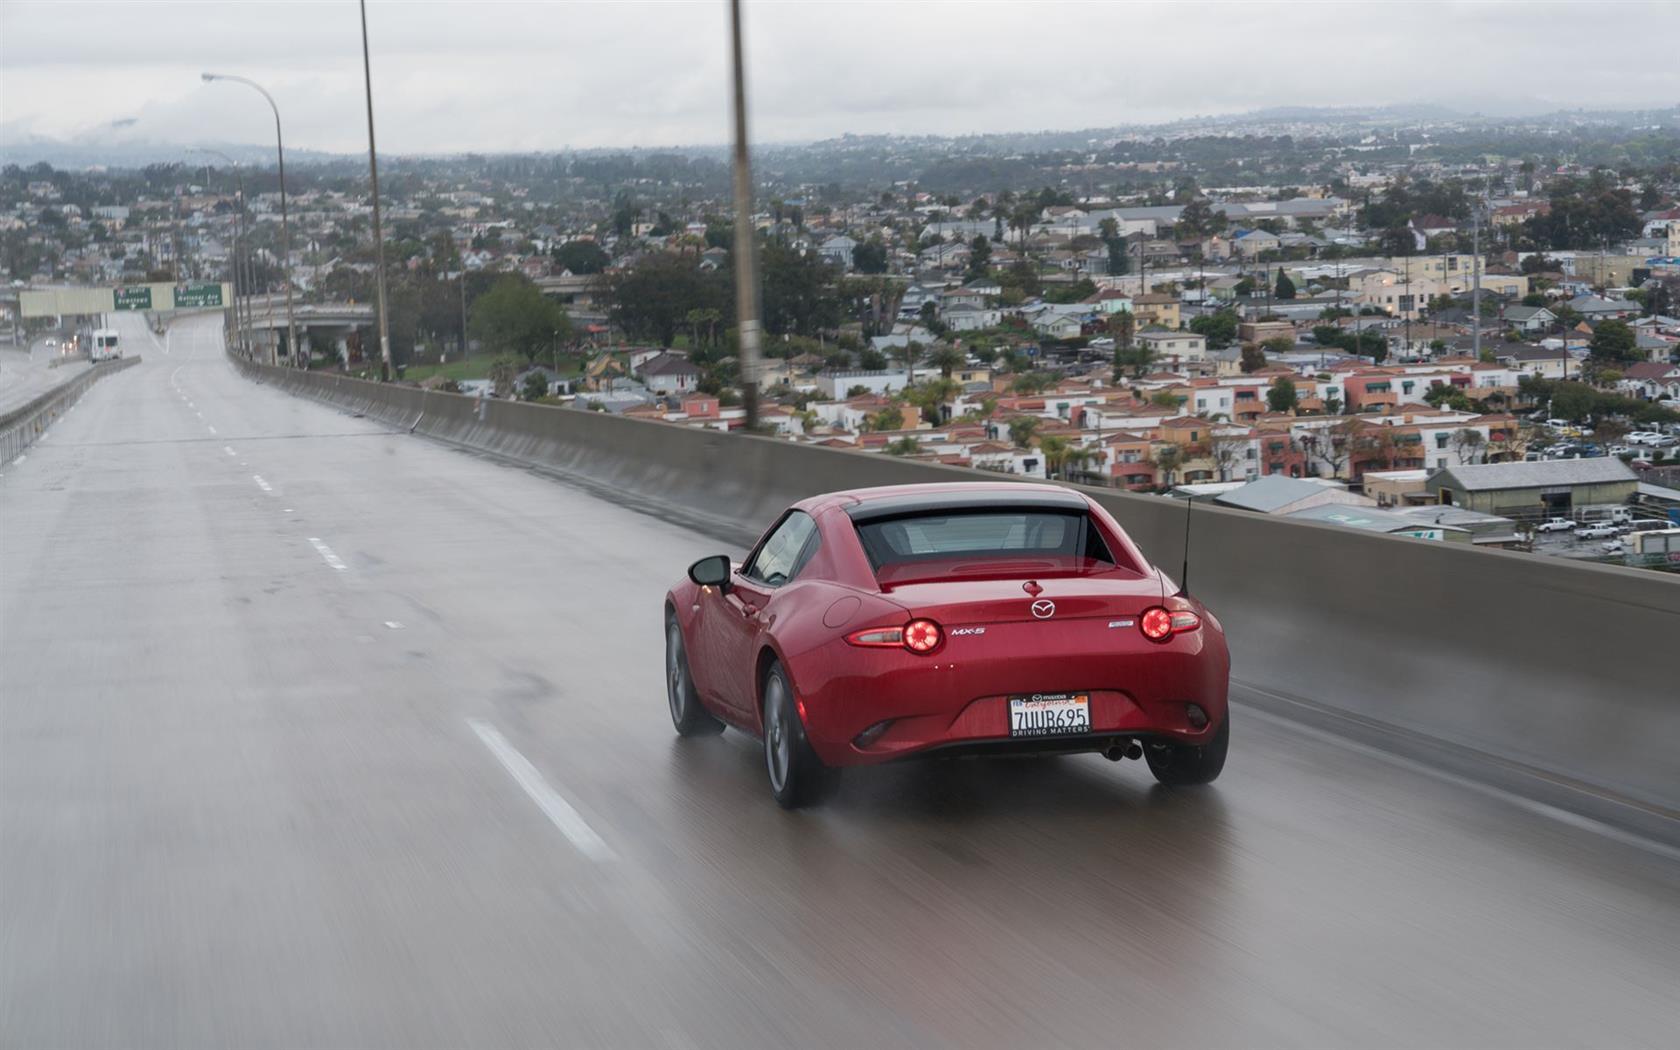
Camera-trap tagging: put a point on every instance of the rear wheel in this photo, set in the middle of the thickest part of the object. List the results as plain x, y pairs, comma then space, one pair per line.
687, 714
797, 776
1178, 764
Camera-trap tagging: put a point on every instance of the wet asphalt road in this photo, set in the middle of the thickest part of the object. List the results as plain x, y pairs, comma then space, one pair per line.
28, 372
250, 798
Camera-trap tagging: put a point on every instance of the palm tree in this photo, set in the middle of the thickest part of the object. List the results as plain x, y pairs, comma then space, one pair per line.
946, 358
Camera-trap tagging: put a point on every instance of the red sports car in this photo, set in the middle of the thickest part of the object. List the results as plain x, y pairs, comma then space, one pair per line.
970, 618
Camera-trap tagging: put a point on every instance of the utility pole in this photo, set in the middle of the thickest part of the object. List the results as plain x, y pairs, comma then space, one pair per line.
746, 274
1476, 279
378, 233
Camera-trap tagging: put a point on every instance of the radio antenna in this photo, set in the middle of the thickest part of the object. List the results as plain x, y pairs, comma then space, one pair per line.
1184, 576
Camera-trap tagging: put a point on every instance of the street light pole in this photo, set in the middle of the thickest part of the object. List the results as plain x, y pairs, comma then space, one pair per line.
746, 284
285, 224
378, 233
240, 324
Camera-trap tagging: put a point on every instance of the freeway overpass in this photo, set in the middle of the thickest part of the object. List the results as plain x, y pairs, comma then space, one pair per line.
288, 699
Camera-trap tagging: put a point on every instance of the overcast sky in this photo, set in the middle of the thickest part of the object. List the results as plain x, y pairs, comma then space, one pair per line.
453, 75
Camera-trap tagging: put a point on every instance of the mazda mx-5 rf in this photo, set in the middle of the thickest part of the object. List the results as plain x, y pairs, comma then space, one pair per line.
969, 618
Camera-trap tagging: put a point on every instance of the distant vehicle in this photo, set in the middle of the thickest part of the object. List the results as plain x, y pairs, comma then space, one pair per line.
1555, 525
1643, 437
1613, 546
983, 617
1663, 441
104, 346
1599, 531
1557, 424
1619, 450
51, 343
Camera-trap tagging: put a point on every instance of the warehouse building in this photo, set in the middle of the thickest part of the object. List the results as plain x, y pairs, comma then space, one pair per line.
1529, 491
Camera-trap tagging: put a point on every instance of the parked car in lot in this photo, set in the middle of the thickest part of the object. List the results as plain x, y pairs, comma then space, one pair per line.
1598, 531
1619, 450
1643, 437
1613, 546
1663, 441
1556, 525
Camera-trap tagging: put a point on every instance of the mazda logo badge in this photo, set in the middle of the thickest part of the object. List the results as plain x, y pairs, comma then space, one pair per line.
1044, 608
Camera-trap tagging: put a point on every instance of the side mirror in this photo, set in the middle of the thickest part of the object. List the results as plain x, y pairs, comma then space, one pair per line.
711, 572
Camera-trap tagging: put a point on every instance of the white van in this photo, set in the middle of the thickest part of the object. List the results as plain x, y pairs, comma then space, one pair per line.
104, 346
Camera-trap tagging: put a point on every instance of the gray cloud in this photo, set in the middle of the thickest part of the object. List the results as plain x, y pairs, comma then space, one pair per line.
456, 75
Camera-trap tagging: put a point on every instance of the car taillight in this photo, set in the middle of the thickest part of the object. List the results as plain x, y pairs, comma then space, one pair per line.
918, 636
1158, 624
922, 636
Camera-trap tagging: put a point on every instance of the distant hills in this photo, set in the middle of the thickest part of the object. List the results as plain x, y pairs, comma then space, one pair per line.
115, 146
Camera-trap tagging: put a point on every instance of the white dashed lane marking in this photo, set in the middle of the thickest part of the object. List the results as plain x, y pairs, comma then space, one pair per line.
551, 802
327, 554
265, 486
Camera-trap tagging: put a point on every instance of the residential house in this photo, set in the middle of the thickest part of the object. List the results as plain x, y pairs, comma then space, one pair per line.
1651, 380
1528, 319
838, 250
1156, 308
1596, 309
966, 318
670, 374
1545, 362
1251, 243
1174, 346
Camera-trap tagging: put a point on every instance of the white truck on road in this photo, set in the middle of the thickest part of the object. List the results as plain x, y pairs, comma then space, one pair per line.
104, 345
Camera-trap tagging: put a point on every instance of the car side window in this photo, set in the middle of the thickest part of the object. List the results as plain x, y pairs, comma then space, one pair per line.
785, 552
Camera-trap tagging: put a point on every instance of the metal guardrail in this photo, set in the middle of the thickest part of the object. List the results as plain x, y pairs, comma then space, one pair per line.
24, 425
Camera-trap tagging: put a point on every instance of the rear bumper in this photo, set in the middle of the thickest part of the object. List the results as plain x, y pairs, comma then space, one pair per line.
933, 706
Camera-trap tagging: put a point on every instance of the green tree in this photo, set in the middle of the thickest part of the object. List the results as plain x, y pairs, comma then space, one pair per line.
1253, 358
581, 257
1218, 328
904, 446
514, 317
1282, 396
536, 387
979, 256
799, 292
1279, 344
1448, 395
652, 299
502, 372
1613, 343
870, 256
946, 358
889, 418
1285, 288
1022, 429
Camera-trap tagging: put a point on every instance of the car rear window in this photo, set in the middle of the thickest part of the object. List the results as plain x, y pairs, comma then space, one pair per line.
987, 542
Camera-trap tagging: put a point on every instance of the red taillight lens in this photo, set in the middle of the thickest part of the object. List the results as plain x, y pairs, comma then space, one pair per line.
921, 636
918, 636
1157, 624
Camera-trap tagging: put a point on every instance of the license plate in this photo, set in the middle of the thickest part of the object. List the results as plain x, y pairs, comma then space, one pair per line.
1049, 714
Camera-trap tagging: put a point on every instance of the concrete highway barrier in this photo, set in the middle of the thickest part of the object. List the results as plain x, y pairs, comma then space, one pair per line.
1555, 679
22, 426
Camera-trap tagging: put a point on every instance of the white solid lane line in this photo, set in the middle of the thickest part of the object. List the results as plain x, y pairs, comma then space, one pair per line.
553, 805
327, 554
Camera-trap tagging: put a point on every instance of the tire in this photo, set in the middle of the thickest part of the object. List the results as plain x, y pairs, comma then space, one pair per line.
687, 713
1183, 764
797, 776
